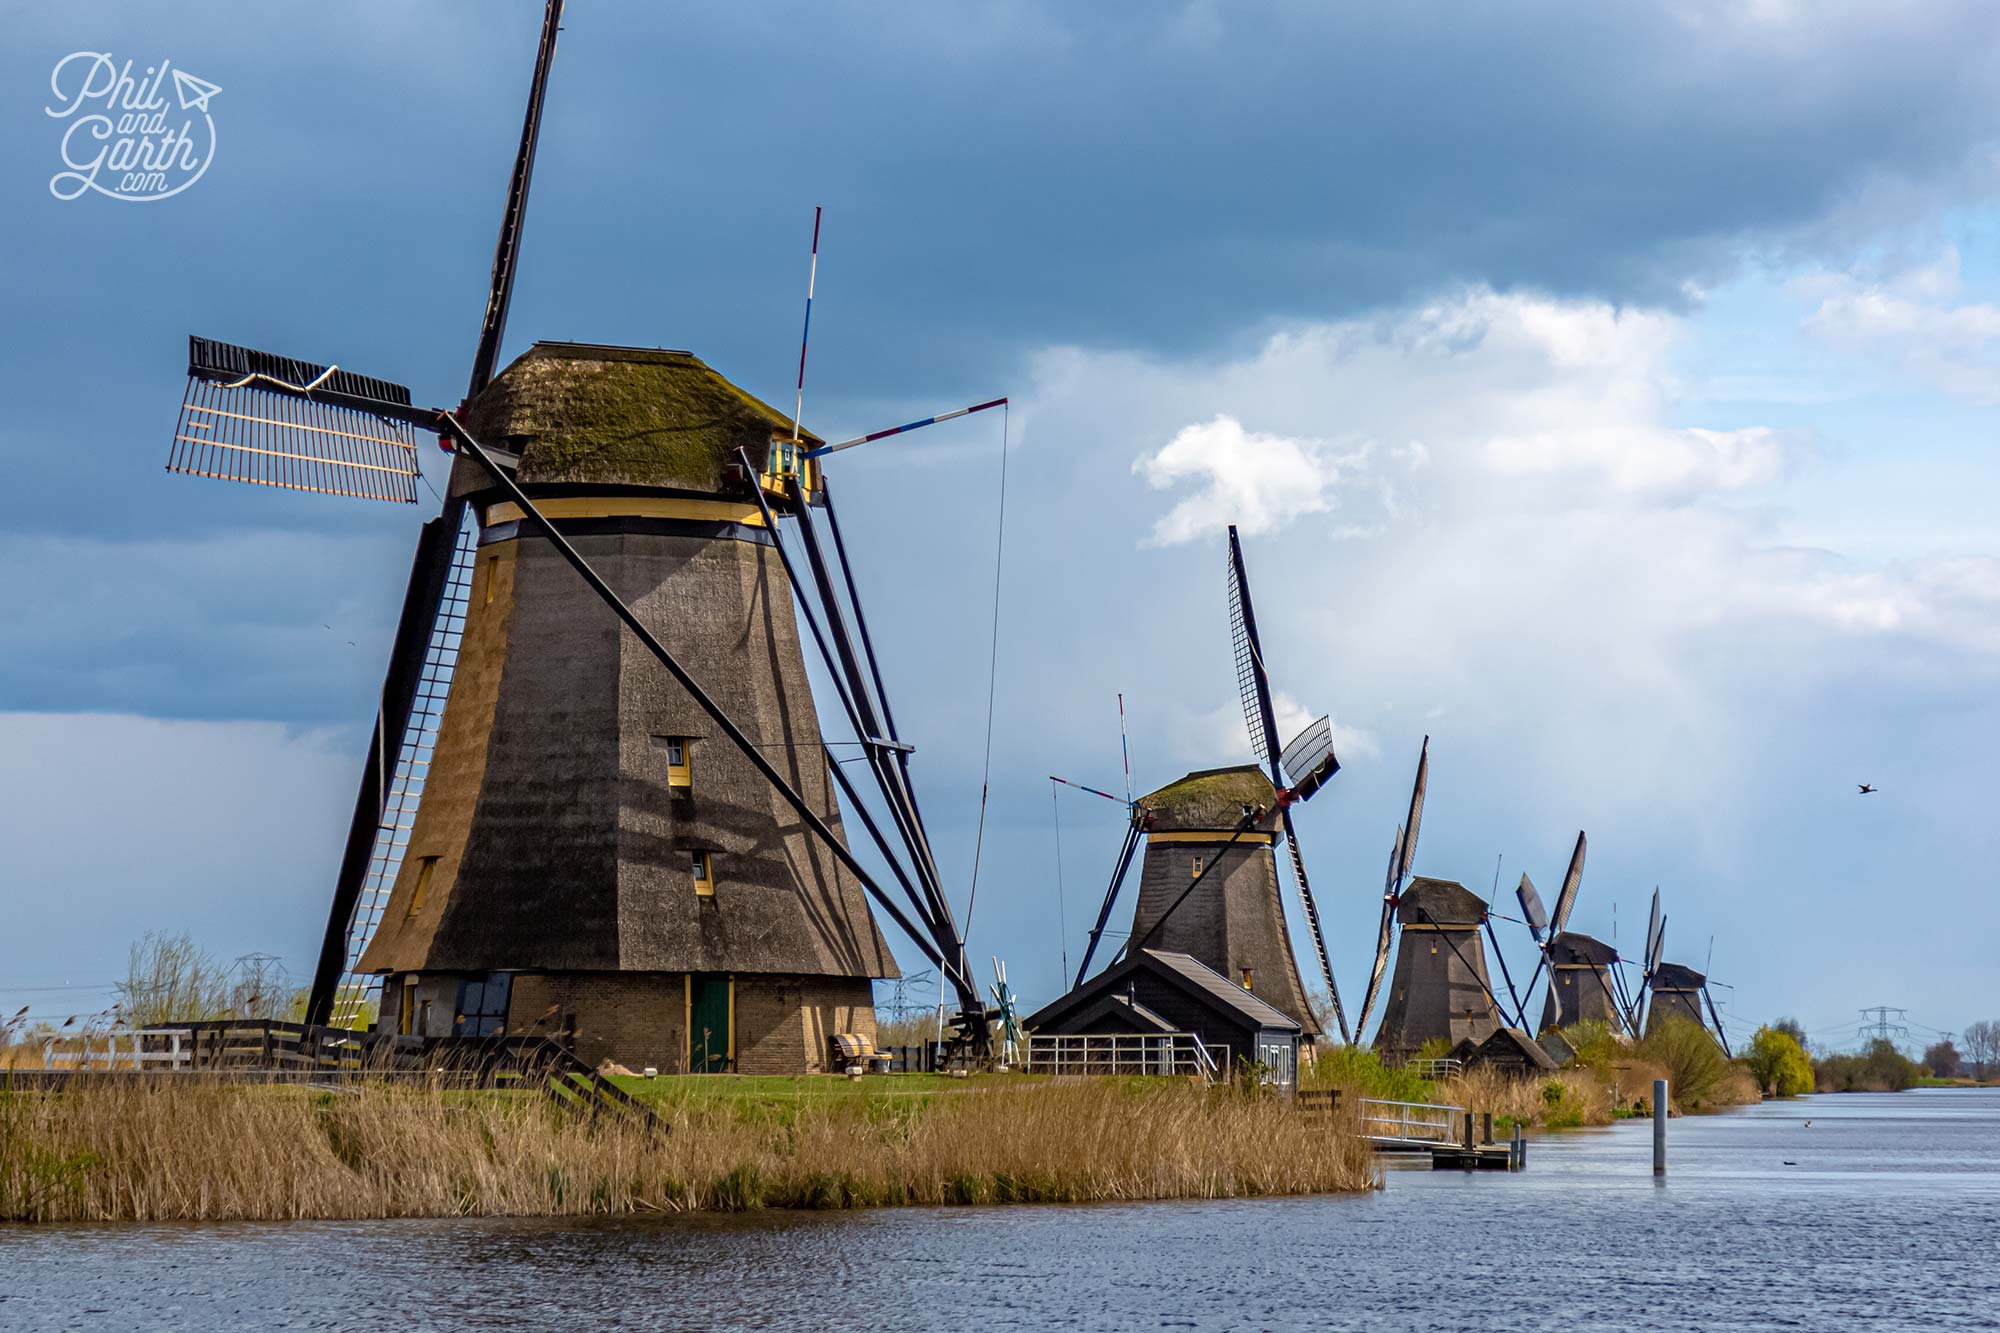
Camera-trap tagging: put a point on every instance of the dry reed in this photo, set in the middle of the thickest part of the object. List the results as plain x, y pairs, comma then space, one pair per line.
1561, 1100
170, 1152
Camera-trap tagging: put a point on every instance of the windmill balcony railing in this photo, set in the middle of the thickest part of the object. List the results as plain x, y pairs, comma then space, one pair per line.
1162, 1055
1392, 1124
1443, 1067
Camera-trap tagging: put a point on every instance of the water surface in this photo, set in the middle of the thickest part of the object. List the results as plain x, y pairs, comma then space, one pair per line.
1883, 1215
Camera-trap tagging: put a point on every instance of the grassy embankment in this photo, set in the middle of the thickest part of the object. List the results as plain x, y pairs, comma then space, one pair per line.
1609, 1080
158, 1152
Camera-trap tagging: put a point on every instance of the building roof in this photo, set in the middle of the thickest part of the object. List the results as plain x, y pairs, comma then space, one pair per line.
1210, 800
1443, 901
1223, 989
1505, 1043
1185, 971
1674, 976
629, 416
1570, 947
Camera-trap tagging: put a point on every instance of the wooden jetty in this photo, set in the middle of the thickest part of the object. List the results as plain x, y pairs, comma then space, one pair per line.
1446, 1133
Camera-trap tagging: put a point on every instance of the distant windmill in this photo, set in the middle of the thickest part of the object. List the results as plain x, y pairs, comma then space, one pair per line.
1004, 1005
1579, 966
1439, 988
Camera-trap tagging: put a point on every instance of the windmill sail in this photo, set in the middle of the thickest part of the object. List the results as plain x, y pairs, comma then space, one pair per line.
1253, 687
1532, 910
1656, 936
234, 428
1384, 936
1407, 843
1572, 881
1309, 760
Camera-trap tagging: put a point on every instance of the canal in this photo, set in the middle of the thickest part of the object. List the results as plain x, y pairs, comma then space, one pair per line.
1880, 1214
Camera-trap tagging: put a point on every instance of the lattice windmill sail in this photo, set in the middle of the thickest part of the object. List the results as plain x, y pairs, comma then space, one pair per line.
1312, 750
233, 426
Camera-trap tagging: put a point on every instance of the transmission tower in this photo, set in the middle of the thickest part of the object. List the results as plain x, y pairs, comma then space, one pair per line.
1880, 1028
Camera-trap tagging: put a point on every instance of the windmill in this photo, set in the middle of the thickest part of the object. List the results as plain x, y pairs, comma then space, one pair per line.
1208, 880
1439, 988
1313, 746
1004, 1011
1674, 989
581, 834
1579, 966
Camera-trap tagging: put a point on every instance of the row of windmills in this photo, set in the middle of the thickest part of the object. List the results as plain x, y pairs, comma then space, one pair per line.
1209, 895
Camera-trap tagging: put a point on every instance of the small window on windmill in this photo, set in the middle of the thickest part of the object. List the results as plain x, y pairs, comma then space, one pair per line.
426, 867
1246, 978
1194, 868
492, 573
704, 877
678, 752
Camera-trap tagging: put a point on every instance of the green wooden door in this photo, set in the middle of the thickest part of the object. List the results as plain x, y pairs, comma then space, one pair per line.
708, 1025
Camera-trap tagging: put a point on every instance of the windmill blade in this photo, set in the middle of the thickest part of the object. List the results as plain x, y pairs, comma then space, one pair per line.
1312, 923
1656, 928
1383, 937
1572, 881
1407, 844
1252, 684
1720, 1035
243, 419
1532, 910
1310, 760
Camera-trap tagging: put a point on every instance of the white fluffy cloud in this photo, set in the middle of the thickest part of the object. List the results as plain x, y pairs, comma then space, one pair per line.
1261, 482
1917, 319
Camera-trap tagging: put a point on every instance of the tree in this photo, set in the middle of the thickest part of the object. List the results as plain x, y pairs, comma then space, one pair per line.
1942, 1060
1792, 1028
1982, 1046
1780, 1063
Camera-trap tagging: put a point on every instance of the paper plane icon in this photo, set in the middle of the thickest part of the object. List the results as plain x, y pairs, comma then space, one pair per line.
194, 93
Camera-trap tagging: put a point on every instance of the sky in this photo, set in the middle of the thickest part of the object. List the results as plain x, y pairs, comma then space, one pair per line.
1602, 391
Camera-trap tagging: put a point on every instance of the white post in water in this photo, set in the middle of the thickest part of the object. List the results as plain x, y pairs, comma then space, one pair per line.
1659, 1127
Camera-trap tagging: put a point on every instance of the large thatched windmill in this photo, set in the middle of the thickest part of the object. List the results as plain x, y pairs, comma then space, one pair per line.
632, 837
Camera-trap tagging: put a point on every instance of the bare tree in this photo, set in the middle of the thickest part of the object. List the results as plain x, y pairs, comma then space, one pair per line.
1982, 1046
170, 979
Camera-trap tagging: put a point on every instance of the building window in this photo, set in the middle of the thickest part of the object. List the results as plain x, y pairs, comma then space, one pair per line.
704, 879
426, 867
406, 1016
1194, 868
680, 761
482, 1005
492, 572
1246, 978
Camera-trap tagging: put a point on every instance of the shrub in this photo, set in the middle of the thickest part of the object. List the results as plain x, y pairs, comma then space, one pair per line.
1942, 1060
1779, 1064
1696, 1067
1880, 1068
1362, 1073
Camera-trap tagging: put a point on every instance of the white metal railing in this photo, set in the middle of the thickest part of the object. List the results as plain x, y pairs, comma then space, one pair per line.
1407, 1122
125, 1048
1442, 1067
1162, 1054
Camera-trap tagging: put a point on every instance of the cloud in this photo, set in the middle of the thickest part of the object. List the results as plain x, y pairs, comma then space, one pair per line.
1916, 317
1260, 482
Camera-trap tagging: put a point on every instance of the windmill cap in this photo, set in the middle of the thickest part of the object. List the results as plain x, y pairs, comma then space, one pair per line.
1572, 947
1443, 901
1676, 976
1211, 800
591, 413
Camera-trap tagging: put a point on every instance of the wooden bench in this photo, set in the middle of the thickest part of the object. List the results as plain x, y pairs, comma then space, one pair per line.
851, 1049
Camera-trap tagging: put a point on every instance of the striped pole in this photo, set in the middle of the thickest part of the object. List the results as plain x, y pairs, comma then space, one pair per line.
893, 430
1125, 748
812, 275
1092, 790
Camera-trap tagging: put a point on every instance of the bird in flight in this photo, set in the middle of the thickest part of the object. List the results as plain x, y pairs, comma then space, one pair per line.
1866, 789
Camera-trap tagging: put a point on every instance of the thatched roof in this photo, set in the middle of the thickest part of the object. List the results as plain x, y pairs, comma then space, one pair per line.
1570, 947
1209, 800
1443, 901
628, 416
1170, 981
1508, 1046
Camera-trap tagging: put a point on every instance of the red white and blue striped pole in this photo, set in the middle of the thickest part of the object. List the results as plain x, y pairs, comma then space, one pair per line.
898, 430
812, 275
1092, 790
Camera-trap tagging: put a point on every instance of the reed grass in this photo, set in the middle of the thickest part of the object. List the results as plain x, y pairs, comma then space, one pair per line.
181, 1151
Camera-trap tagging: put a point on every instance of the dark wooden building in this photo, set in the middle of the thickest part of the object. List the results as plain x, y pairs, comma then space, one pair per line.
1676, 990
1159, 991
1439, 988
587, 861
1234, 921
1580, 983
1511, 1051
